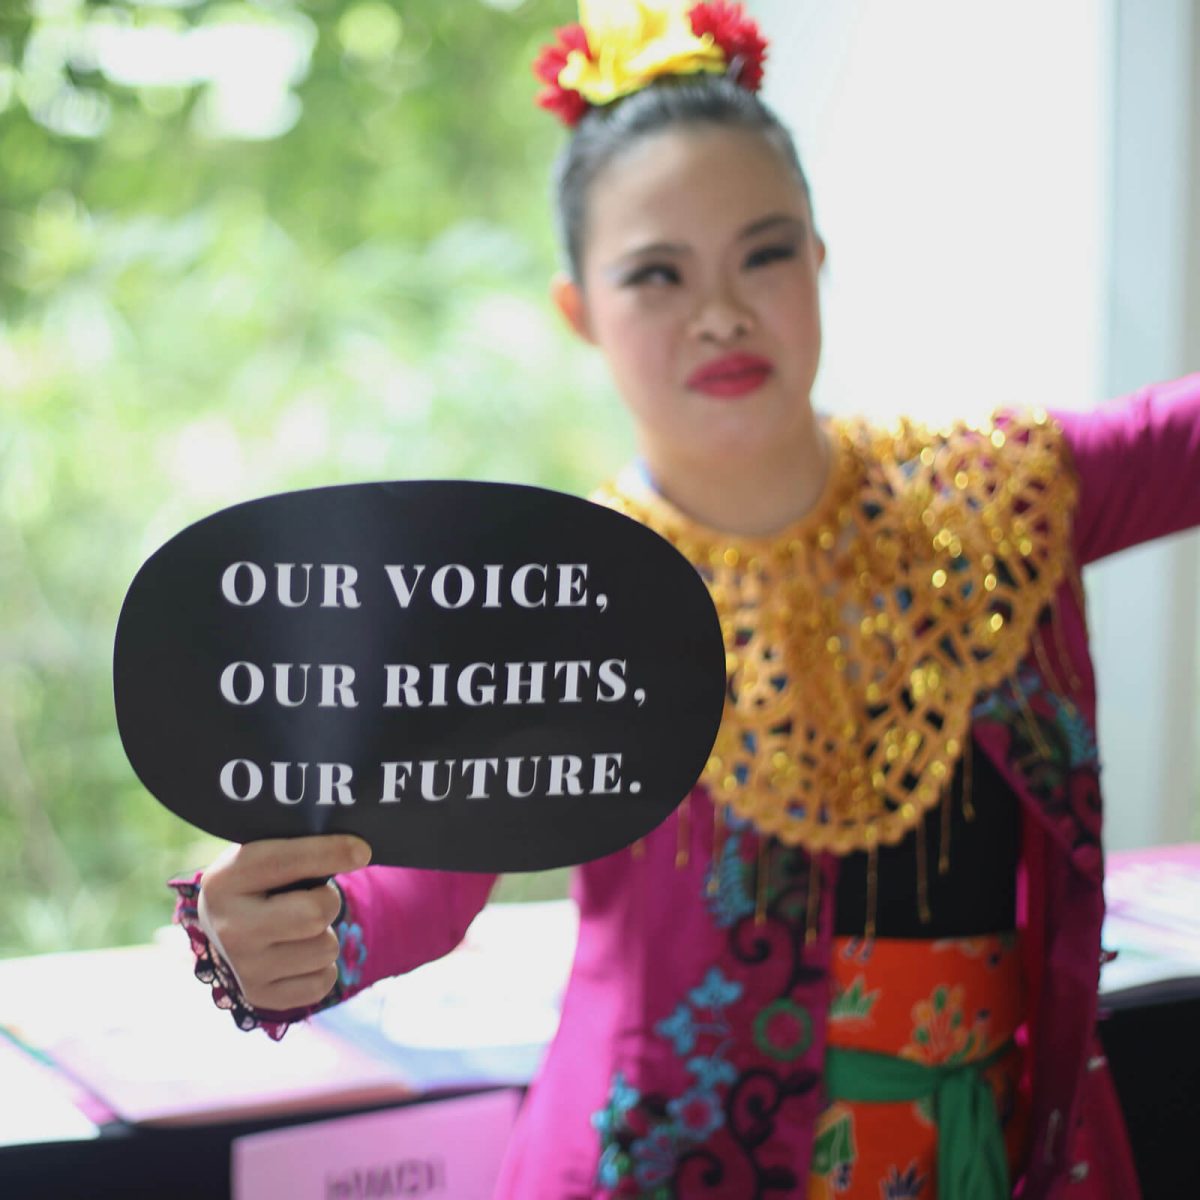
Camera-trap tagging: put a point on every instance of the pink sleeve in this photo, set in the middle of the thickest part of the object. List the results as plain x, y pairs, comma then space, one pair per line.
1138, 462
406, 917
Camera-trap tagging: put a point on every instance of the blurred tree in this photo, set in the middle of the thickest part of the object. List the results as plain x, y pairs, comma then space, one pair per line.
243, 247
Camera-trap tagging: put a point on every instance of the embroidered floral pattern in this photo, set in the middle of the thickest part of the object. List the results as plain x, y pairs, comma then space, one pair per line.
352, 952
715, 1129
728, 890
783, 1030
1052, 747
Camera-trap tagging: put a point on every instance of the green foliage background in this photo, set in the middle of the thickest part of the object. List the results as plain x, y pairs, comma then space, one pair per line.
191, 316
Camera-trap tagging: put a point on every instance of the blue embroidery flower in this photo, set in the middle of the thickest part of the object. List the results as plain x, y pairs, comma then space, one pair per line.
352, 953
679, 1028
715, 992
727, 888
609, 1170
653, 1157
1081, 744
697, 1113
711, 1072
621, 1098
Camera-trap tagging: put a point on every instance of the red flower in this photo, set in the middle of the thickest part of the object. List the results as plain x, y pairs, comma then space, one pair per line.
736, 34
567, 105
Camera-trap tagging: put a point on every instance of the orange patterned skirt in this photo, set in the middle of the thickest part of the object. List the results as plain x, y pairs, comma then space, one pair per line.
938, 1003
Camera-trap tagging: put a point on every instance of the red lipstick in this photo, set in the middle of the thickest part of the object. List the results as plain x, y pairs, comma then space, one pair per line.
731, 375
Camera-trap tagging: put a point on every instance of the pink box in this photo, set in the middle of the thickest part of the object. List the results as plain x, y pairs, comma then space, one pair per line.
445, 1149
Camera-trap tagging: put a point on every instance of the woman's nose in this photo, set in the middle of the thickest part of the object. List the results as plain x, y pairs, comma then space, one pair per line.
720, 318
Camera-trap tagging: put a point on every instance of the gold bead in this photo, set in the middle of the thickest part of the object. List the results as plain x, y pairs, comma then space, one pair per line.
998, 438
939, 578
731, 557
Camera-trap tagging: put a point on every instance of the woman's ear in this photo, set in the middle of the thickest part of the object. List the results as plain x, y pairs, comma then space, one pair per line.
568, 299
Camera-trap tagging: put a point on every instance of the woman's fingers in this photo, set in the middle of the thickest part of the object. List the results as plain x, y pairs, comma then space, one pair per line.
261, 867
301, 991
306, 969
249, 925
279, 945
290, 960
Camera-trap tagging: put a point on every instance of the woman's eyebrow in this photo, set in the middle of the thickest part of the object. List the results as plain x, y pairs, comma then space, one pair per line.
769, 223
627, 257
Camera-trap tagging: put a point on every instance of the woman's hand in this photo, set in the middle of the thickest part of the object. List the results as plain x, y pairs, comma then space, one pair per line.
279, 944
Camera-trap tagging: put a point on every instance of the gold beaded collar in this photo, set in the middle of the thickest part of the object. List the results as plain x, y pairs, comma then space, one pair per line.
857, 639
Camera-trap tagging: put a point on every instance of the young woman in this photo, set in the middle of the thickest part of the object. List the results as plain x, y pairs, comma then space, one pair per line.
861, 959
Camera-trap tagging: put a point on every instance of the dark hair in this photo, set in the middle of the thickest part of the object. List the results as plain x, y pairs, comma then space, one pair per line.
679, 100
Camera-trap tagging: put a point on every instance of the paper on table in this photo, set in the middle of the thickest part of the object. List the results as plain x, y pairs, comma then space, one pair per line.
35, 1104
150, 1042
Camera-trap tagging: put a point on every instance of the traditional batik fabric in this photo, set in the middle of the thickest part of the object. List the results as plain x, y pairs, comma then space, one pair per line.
936, 1003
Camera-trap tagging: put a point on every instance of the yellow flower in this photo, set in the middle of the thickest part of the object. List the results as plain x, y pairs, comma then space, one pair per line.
634, 42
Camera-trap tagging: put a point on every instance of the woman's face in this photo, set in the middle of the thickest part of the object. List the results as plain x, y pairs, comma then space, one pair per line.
699, 285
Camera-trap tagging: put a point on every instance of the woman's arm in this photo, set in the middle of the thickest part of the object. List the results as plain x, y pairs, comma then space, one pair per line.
1138, 462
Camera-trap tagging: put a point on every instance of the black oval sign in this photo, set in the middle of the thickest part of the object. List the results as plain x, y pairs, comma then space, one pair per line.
470, 676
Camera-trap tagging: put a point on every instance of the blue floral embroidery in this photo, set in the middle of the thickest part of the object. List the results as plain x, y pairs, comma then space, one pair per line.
711, 1072
352, 953
654, 1157
696, 1113
645, 1139
716, 991
679, 1028
727, 890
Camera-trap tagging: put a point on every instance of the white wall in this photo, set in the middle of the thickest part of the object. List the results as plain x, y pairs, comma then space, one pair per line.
1007, 201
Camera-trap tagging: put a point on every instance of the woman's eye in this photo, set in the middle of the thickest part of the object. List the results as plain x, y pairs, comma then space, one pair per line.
769, 254
653, 273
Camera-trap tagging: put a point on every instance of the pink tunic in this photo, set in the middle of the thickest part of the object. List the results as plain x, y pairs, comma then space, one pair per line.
689, 1057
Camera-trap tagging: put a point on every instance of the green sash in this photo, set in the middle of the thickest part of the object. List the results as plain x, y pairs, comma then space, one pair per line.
972, 1161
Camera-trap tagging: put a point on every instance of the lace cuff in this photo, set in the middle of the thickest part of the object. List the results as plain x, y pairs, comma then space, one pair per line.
213, 970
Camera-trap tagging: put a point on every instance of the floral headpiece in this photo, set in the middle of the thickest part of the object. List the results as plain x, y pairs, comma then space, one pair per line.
620, 46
